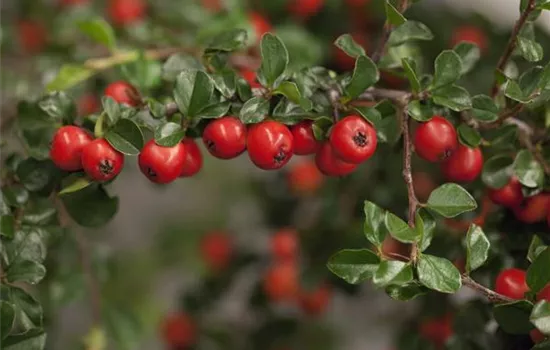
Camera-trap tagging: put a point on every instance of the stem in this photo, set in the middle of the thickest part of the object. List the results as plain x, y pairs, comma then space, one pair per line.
512, 42
129, 56
491, 295
386, 31
525, 140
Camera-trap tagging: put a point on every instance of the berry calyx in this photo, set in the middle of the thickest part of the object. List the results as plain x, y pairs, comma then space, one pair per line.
101, 161
464, 165
353, 139
162, 164
511, 283
435, 139
471, 34
330, 164
251, 78
32, 36
123, 92
304, 177
125, 12
305, 8
179, 331
66, 148
315, 302
509, 196
216, 250
304, 139
269, 144
281, 282
225, 138
534, 209
193, 158
284, 245
259, 24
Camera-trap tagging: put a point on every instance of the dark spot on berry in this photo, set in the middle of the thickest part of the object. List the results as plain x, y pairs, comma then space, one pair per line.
280, 156
210, 145
106, 166
446, 154
151, 173
360, 139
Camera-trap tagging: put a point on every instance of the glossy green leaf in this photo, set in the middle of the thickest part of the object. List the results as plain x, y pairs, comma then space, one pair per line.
59, 106
529, 49
7, 226
419, 110
453, 97
169, 134
27, 271
528, 170
513, 317
254, 110
15, 196
193, 91
231, 40
290, 91
484, 109
538, 274
540, 316
7, 315
497, 171
28, 311
392, 272
425, 227
393, 16
69, 75
448, 68
74, 183
225, 82
469, 136
143, 73
450, 200
469, 54
157, 109
354, 265
33, 339
175, 64
28, 243
406, 292
513, 91
126, 137
274, 59
346, 43
111, 108
374, 227
37, 175
410, 30
215, 111
365, 74
438, 274
409, 66
99, 31
477, 248
371, 114
91, 207
399, 229
536, 247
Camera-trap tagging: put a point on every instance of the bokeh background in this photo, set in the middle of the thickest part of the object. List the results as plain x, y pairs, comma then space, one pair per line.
147, 259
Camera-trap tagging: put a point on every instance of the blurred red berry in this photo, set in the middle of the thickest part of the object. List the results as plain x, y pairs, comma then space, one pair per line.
511, 283
315, 302
88, 104
250, 77
304, 177
123, 92
217, 250
284, 245
471, 34
437, 330
125, 12
32, 36
178, 331
305, 8
533, 209
281, 282
260, 24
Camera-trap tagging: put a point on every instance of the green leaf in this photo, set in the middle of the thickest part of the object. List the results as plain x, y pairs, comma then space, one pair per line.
274, 59
453, 97
497, 171
484, 109
538, 274
540, 316
513, 317
477, 248
425, 227
536, 247
354, 265
215, 111
231, 40
374, 227
126, 137
37, 175
447, 69
528, 170
406, 292
169, 134
371, 114
59, 106
393, 16
410, 30
409, 66
7, 314
393, 272
15, 196
111, 109
346, 43
365, 74
157, 109
99, 31
225, 82
450, 200
74, 183
438, 274
513, 91
544, 6
290, 91
399, 229
28, 312
469, 136
7, 226
28, 243
69, 75
469, 54
177, 63
193, 91
529, 49
143, 72
420, 111
254, 110
27, 271
33, 339
91, 207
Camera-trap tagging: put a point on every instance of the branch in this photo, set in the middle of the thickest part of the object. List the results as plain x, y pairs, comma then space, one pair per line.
386, 31
512, 42
491, 295
525, 140
129, 56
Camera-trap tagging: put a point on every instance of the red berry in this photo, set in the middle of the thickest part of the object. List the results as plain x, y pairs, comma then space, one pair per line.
122, 92
101, 161
511, 283
217, 250
393, 80
260, 24
305, 8
281, 282
32, 36
435, 139
315, 303
225, 138
537, 336
67, 145
284, 245
250, 77
269, 144
304, 140
353, 139
304, 177
471, 34
509, 196
124, 12
331, 165
544, 294
162, 164
193, 158
88, 104
437, 330
179, 331
464, 165
342, 60
534, 209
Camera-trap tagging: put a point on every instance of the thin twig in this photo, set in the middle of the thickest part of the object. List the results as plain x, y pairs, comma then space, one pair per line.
491, 295
386, 31
525, 140
512, 42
